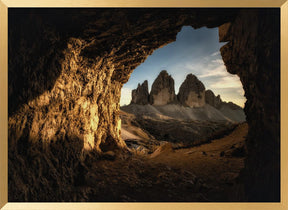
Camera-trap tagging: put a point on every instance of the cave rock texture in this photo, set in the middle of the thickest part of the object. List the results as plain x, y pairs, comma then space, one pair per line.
67, 67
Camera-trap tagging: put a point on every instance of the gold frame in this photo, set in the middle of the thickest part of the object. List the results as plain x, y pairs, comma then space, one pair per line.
5, 4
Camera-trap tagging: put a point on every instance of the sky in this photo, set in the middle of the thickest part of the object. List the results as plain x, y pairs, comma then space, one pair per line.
195, 51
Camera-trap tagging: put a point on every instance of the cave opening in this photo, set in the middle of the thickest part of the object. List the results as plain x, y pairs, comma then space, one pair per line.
65, 79
194, 87
194, 51
173, 109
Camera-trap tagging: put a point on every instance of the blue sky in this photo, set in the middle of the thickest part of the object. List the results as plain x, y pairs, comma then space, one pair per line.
196, 52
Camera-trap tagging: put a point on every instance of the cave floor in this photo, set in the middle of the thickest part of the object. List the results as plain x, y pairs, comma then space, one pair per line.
207, 172
204, 173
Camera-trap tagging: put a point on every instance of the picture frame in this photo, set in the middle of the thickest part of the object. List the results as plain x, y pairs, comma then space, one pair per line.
5, 4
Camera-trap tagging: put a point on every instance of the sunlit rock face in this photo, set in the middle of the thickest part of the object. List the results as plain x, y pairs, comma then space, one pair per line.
162, 91
192, 92
66, 70
141, 94
75, 107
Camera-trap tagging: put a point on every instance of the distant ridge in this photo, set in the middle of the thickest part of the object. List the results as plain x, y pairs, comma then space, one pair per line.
192, 93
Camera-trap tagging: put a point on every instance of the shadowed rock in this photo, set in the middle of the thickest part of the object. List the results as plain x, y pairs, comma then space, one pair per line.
217, 102
163, 91
210, 98
192, 92
141, 94
213, 100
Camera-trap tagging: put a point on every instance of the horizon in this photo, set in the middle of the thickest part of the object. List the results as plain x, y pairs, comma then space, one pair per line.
195, 51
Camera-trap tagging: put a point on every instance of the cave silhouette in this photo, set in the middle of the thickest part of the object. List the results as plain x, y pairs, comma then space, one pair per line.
44, 42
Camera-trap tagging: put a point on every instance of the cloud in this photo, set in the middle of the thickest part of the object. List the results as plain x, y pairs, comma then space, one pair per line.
218, 61
241, 91
215, 53
125, 96
219, 70
227, 82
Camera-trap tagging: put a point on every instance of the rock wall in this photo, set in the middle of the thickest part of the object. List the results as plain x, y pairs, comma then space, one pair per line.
217, 102
66, 70
210, 98
192, 92
253, 53
213, 100
141, 94
162, 91
75, 107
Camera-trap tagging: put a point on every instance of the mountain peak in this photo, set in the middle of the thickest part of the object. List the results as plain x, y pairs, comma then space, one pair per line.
192, 93
141, 94
162, 91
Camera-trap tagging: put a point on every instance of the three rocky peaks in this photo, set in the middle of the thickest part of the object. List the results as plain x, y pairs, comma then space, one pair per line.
192, 93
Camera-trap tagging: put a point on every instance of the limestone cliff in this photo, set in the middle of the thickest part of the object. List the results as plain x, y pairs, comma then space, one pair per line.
213, 100
192, 92
217, 102
210, 98
141, 94
162, 91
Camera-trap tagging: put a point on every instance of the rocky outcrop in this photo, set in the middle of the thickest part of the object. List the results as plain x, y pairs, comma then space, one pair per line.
192, 92
210, 98
213, 100
217, 102
66, 71
162, 91
141, 94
